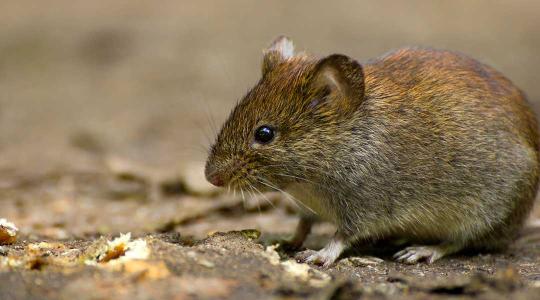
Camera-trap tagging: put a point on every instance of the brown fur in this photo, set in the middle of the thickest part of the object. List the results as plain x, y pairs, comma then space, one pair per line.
424, 144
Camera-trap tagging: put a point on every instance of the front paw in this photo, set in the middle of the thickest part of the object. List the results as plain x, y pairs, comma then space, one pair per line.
302, 256
323, 257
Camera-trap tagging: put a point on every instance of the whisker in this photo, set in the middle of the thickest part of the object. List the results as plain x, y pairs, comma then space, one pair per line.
204, 130
264, 196
244, 203
328, 188
319, 171
287, 195
243, 197
210, 120
253, 197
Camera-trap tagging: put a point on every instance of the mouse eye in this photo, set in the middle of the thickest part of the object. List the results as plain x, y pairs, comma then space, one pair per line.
264, 134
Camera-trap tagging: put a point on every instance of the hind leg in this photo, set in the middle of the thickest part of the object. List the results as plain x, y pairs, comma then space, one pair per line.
432, 253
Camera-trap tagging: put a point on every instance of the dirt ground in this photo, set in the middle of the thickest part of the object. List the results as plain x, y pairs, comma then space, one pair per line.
106, 112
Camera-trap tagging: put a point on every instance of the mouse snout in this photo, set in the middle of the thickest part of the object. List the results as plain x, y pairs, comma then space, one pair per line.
214, 176
216, 180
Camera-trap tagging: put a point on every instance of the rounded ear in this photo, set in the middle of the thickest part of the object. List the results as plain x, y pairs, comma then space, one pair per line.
341, 81
280, 50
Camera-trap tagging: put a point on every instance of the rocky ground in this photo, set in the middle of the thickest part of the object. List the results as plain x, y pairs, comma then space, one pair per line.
184, 240
107, 109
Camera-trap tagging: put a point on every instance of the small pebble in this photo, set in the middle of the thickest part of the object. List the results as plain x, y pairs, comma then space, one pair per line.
206, 263
362, 261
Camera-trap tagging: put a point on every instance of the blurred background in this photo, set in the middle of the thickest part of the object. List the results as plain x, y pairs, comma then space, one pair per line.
90, 86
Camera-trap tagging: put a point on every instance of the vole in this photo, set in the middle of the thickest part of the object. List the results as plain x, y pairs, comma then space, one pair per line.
425, 145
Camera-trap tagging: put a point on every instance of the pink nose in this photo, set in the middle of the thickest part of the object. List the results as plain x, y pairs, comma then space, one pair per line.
215, 179
213, 176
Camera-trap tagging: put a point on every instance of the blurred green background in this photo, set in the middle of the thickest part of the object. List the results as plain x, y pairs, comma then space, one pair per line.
147, 77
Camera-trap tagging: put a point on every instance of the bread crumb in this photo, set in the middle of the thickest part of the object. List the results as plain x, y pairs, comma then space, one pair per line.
120, 250
297, 270
8, 232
